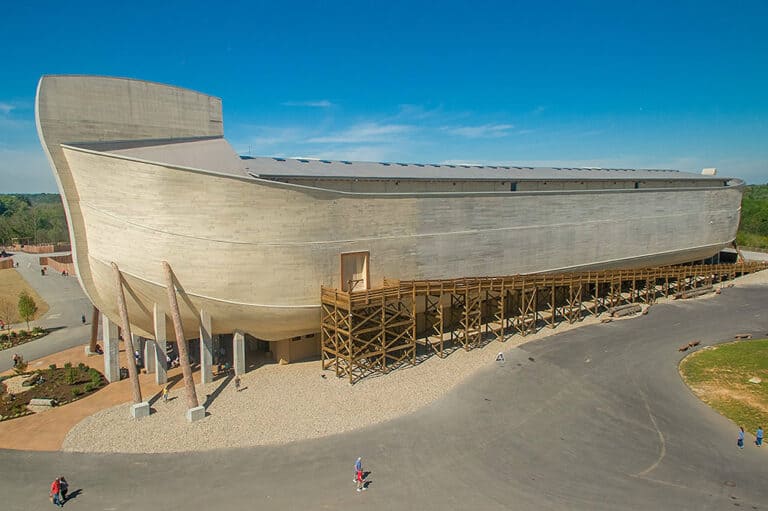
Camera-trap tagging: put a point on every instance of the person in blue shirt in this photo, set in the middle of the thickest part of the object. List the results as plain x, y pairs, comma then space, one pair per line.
740, 440
759, 436
359, 474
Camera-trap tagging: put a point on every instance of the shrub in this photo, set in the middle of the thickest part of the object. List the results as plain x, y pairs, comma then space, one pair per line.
23, 334
38, 330
95, 377
68, 365
89, 387
13, 334
82, 366
52, 367
77, 391
70, 376
4, 337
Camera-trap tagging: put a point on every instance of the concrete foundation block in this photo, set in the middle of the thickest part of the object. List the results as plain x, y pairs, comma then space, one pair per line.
196, 413
140, 410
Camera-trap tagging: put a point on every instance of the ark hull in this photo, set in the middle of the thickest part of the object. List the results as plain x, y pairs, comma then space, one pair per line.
253, 252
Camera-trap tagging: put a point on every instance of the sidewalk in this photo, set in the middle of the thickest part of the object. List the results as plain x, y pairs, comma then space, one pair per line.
46, 431
67, 304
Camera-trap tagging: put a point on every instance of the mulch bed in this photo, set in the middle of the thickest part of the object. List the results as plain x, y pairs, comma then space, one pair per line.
6, 341
62, 384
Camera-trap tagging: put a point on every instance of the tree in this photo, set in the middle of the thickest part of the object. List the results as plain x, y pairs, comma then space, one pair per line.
7, 312
27, 307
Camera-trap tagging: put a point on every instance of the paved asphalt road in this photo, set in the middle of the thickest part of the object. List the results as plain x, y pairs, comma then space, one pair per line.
592, 419
67, 304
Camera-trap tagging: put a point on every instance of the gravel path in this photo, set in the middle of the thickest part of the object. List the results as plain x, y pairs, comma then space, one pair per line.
13, 385
280, 404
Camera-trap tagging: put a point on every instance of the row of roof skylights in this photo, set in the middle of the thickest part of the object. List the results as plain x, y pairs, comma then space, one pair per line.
465, 166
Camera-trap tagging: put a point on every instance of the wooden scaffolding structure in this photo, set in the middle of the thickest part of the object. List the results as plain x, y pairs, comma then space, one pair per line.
374, 331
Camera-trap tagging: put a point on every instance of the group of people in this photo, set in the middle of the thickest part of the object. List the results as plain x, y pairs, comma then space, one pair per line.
359, 475
59, 490
172, 362
758, 437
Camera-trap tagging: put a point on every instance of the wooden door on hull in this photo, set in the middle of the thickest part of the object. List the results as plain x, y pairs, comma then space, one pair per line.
355, 272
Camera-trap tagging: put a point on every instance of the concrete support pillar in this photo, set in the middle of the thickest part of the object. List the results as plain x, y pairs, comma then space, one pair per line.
161, 364
206, 348
150, 356
111, 349
238, 352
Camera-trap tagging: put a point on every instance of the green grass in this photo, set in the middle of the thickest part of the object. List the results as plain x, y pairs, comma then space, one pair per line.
720, 377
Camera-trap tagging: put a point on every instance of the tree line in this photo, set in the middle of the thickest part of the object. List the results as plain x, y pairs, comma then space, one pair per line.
753, 229
33, 218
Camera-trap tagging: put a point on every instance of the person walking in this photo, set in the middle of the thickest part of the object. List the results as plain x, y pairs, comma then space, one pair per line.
740, 440
237, 383
359, 474
82, 318
63, 489
165, 394
55, 493
759, 436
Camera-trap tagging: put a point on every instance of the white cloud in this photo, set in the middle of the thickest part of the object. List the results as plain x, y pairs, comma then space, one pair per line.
5, 108
322, 103
369, 132
481, 131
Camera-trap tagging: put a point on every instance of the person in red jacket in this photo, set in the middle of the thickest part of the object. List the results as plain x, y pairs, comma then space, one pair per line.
56, 493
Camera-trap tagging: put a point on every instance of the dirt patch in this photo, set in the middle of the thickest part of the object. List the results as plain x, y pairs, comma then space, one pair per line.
713, 392
11, 284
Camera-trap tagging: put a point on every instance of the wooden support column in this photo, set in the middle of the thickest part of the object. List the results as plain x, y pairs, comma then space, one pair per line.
133, 373
186, 369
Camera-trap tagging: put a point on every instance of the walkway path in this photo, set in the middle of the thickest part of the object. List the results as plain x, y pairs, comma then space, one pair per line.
67, 304
595, 419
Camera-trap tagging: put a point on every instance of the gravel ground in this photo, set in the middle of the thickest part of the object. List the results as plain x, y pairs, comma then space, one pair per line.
13, 385
280, 404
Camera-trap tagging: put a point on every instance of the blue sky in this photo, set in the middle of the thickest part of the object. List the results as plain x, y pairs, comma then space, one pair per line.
630, 84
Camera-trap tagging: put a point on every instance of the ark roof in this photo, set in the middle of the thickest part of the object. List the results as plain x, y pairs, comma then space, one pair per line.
215, 154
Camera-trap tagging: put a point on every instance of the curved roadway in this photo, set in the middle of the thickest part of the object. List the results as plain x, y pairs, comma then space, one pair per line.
67, 304
594, 419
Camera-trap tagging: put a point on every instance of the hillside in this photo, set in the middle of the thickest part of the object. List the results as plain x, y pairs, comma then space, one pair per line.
753, 230
38, 217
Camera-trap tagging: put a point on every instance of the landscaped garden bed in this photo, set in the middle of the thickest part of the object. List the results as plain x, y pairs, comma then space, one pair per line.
60, 384
17, 337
